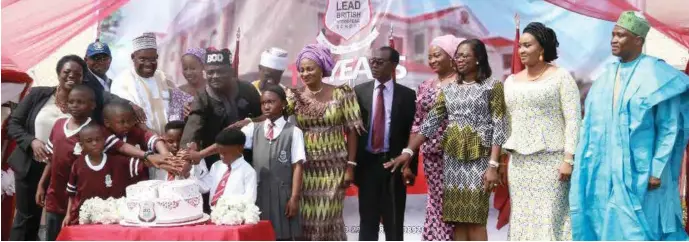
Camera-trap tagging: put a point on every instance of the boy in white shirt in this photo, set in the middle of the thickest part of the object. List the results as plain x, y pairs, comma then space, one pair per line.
231, 175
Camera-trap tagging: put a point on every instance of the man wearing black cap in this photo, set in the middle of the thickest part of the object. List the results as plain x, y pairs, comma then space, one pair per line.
98, 60
225, 101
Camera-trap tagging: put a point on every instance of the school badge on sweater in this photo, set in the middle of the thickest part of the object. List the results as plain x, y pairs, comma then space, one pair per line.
108, 181
283, 157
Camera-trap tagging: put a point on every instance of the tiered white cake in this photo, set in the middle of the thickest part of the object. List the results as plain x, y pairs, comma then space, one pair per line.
163, 202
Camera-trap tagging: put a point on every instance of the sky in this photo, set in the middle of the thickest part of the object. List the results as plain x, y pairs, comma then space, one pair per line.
584, 41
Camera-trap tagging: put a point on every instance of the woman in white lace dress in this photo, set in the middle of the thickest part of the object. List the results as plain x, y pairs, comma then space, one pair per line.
544, 110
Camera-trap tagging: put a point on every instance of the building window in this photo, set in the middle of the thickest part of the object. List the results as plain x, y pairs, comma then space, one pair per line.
419, 44
419, 47
507, 61
399, 44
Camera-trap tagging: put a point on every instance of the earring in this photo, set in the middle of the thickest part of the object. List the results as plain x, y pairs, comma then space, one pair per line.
540, 57
477, 63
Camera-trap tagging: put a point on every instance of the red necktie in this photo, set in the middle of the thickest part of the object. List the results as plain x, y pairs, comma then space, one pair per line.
170, 176
221, 186
378, 138
269, 135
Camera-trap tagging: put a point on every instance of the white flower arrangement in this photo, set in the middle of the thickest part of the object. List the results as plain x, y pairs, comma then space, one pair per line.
235, 210
98, 211
7, 179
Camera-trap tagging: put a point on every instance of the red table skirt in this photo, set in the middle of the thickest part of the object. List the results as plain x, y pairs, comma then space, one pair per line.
263, 231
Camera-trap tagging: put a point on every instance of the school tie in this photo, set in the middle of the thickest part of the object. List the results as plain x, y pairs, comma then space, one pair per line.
221, 186
378, 138
269, 134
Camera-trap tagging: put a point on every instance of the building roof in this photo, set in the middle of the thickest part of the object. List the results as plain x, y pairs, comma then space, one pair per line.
497, 41
410, 14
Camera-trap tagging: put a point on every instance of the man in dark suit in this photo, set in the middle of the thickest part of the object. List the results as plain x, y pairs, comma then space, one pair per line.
98, 58
387, 109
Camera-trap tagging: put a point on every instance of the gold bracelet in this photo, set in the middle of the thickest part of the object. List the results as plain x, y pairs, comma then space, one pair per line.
569, 161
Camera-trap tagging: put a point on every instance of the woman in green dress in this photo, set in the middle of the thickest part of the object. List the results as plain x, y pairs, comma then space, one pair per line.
325, 113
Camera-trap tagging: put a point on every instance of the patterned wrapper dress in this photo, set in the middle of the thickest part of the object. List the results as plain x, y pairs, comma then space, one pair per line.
434, 229
324, 126
176, 107
476, 122
545, 116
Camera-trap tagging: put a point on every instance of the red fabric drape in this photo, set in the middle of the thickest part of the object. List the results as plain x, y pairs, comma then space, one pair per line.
502, 195
9, 74
517, 65
610, 10
33, 29
235, 61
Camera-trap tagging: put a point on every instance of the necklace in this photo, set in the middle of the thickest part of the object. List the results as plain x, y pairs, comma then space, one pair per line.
539, 75
444, 79
314, 92
60, 102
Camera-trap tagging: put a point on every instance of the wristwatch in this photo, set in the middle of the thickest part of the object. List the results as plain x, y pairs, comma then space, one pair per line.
147, 154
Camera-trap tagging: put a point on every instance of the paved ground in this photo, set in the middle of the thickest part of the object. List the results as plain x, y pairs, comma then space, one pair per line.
414, 217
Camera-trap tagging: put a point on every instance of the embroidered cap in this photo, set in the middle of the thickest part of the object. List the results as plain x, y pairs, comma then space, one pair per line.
214, 57
145, 41
274, 58
634, 22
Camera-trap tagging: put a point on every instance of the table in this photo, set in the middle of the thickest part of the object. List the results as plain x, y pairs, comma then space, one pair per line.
263, 231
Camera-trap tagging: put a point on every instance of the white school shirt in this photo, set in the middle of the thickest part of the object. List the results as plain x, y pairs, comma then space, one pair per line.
242, 180
298, 149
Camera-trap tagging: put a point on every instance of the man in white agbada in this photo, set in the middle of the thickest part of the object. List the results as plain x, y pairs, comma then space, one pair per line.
273, 63
144, 85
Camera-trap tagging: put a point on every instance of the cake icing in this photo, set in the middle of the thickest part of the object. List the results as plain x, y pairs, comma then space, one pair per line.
163, 202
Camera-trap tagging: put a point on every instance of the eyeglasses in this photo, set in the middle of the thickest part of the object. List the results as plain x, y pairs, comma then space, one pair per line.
377, 61
100, 58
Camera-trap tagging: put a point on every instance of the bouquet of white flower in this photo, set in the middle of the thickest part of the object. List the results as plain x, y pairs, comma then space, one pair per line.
7, 183
235, 210
98, 211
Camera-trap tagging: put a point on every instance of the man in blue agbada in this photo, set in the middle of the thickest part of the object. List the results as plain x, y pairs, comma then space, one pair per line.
627, 163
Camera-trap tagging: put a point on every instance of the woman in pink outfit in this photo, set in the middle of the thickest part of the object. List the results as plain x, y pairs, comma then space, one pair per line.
440, 60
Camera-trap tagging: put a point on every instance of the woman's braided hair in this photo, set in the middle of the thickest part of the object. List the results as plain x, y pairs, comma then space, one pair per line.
546, 38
